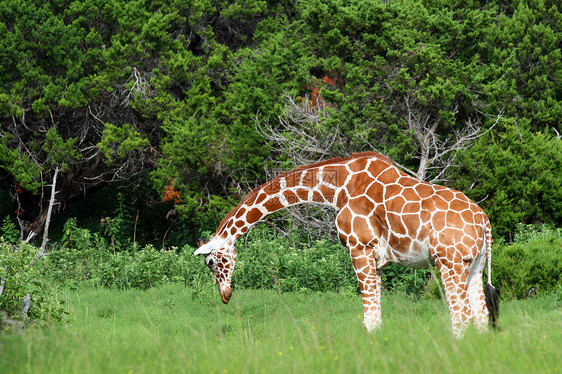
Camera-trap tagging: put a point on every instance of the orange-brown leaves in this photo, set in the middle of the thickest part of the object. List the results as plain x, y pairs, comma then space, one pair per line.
316, 99
171, 194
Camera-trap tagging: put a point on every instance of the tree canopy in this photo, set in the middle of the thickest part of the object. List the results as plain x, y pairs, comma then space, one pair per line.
171, 99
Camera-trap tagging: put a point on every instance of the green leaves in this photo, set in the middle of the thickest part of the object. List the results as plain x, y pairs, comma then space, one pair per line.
118, 141
516, 175
25, 171
60, 152
19, 279
197, 77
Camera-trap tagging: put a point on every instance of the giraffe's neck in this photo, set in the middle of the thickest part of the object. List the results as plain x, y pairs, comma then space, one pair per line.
318, 184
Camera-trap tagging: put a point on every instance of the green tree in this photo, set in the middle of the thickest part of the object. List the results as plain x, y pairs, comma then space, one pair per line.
516, 175
67, 70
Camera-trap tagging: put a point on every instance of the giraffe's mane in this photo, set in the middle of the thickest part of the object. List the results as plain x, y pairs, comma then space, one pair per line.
335, 160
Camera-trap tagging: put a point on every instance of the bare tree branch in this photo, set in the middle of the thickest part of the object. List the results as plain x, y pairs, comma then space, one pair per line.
301, 133
437, 154
52, 200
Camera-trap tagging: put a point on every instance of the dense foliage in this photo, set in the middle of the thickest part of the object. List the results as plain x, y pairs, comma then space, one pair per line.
530, 266
158, 115
25, 294
169, 98
532, 263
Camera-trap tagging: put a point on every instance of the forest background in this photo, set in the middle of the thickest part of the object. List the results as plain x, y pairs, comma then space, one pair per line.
154, 118
160, 115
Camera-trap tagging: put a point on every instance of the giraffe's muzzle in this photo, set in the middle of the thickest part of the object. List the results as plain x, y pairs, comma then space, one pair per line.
226, 294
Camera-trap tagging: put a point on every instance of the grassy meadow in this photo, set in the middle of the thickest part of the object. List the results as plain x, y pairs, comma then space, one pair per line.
171, 329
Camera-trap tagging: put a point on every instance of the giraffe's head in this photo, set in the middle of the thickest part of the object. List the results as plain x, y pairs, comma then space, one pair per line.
220, 257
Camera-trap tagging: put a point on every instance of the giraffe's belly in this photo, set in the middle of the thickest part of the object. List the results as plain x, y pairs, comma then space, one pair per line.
413, 254
415, 260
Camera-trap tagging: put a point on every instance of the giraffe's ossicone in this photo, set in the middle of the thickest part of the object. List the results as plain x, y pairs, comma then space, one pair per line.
383, 216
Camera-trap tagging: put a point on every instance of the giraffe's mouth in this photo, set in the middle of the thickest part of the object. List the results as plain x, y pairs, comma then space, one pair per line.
226, 294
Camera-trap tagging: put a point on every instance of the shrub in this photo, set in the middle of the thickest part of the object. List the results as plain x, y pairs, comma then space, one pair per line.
274, 264
9, 231
143, 269
90, 258
77, 257
324, 266
532, 265
264, 262
23, 287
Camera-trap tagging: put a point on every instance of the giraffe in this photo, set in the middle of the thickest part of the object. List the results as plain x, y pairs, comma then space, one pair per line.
383, 216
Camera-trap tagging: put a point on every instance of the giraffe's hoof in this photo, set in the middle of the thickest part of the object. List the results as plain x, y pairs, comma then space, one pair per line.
372, 325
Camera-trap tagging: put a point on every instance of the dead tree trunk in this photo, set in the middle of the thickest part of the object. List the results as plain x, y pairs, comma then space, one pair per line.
52, 200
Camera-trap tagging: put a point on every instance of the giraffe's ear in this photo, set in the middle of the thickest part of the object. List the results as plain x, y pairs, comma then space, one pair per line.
204, 248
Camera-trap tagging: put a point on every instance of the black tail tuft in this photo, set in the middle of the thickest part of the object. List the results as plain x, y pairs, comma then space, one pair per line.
493, 304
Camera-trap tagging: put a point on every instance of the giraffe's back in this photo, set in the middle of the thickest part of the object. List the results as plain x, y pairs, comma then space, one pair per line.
411, 219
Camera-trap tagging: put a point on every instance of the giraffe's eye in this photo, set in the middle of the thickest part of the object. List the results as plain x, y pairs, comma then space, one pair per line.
210, 262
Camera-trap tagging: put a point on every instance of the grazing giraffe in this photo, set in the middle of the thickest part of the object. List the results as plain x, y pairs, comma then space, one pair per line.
383, 216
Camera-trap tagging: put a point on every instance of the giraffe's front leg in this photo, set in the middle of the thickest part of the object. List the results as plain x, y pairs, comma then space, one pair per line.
370, 284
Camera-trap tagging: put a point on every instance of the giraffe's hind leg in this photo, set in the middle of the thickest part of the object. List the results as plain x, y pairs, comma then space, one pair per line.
454, 273
476, 293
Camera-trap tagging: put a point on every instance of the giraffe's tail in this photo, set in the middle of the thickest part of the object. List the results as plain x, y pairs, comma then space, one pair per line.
490, 292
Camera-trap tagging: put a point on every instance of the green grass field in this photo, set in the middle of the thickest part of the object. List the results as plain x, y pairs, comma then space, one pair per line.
172, 329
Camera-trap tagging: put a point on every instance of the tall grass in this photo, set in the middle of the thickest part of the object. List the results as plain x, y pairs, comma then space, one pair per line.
175, 329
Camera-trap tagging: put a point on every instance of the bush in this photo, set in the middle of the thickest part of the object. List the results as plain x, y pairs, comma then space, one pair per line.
9, 231
530, 266
22, 284
144, 269
263, 262
323, 266
267, 263
82, 256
